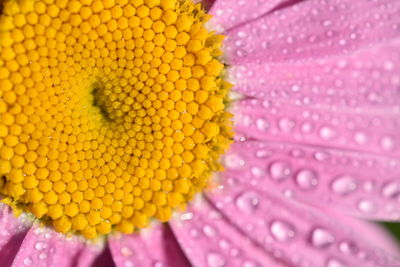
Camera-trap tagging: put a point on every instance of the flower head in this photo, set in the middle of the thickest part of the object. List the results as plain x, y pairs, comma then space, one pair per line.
315, 107
112, 113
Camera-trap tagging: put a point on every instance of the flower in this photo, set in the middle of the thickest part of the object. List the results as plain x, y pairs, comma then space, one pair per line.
316, 139
113, 113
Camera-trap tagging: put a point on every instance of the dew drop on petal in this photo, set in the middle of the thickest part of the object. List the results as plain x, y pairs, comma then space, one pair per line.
366, 206
263, 153
40, 245
280, 170
234, 161
306, 179
125, 251
248, 202
209, 231
347, 247
321, 238
388, 143
321, 156
27, 261
344, 185
262, 124
250, 264
286, 125
326, 133
257, 172
223, 244
335, 263
306, 127
215, 260
391, 190
360, 138
282, 231
194, 233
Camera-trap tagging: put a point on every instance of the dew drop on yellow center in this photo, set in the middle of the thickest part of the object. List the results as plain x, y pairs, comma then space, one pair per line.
112, 112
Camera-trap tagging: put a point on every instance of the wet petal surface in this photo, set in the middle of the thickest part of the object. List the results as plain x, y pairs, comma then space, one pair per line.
362, 130
156, 247
44, 247
316, 28
356, 183
232, 13
295, 234
12, 233
368, 79
209, 240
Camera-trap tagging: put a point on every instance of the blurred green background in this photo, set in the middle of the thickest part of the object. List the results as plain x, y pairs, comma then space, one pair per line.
394, 229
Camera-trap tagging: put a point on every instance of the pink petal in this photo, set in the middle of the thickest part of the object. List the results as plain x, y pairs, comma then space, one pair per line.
230, 13
294, 233
369, 78
314, 28
95, 255
12, 233
44, 247
368, 130
339, 117
377, 234
155, 246
356, 183
209, 240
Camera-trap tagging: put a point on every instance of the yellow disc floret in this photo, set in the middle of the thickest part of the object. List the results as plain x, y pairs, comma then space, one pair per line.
111, 112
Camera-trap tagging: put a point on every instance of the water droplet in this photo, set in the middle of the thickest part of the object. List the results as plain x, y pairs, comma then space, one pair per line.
40, 245
125, 251
248, 202
215, 260
366, 206
347, 247
297, 153
282, 231
321, 238
286, 125
223, 244
321, 155
209, 230
42, 256
27, 261
326, 133
280, 170
263, 153
250, 264
234, 161
262, 124
335, 263
306, 179
360, 138
369, 186
391, 190
242, 34
388, 143
257, 172
344, 185
306, 127
327, 23
194, 233
186, 216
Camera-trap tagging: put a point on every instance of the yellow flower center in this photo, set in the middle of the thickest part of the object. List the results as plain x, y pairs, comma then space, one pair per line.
112, 112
